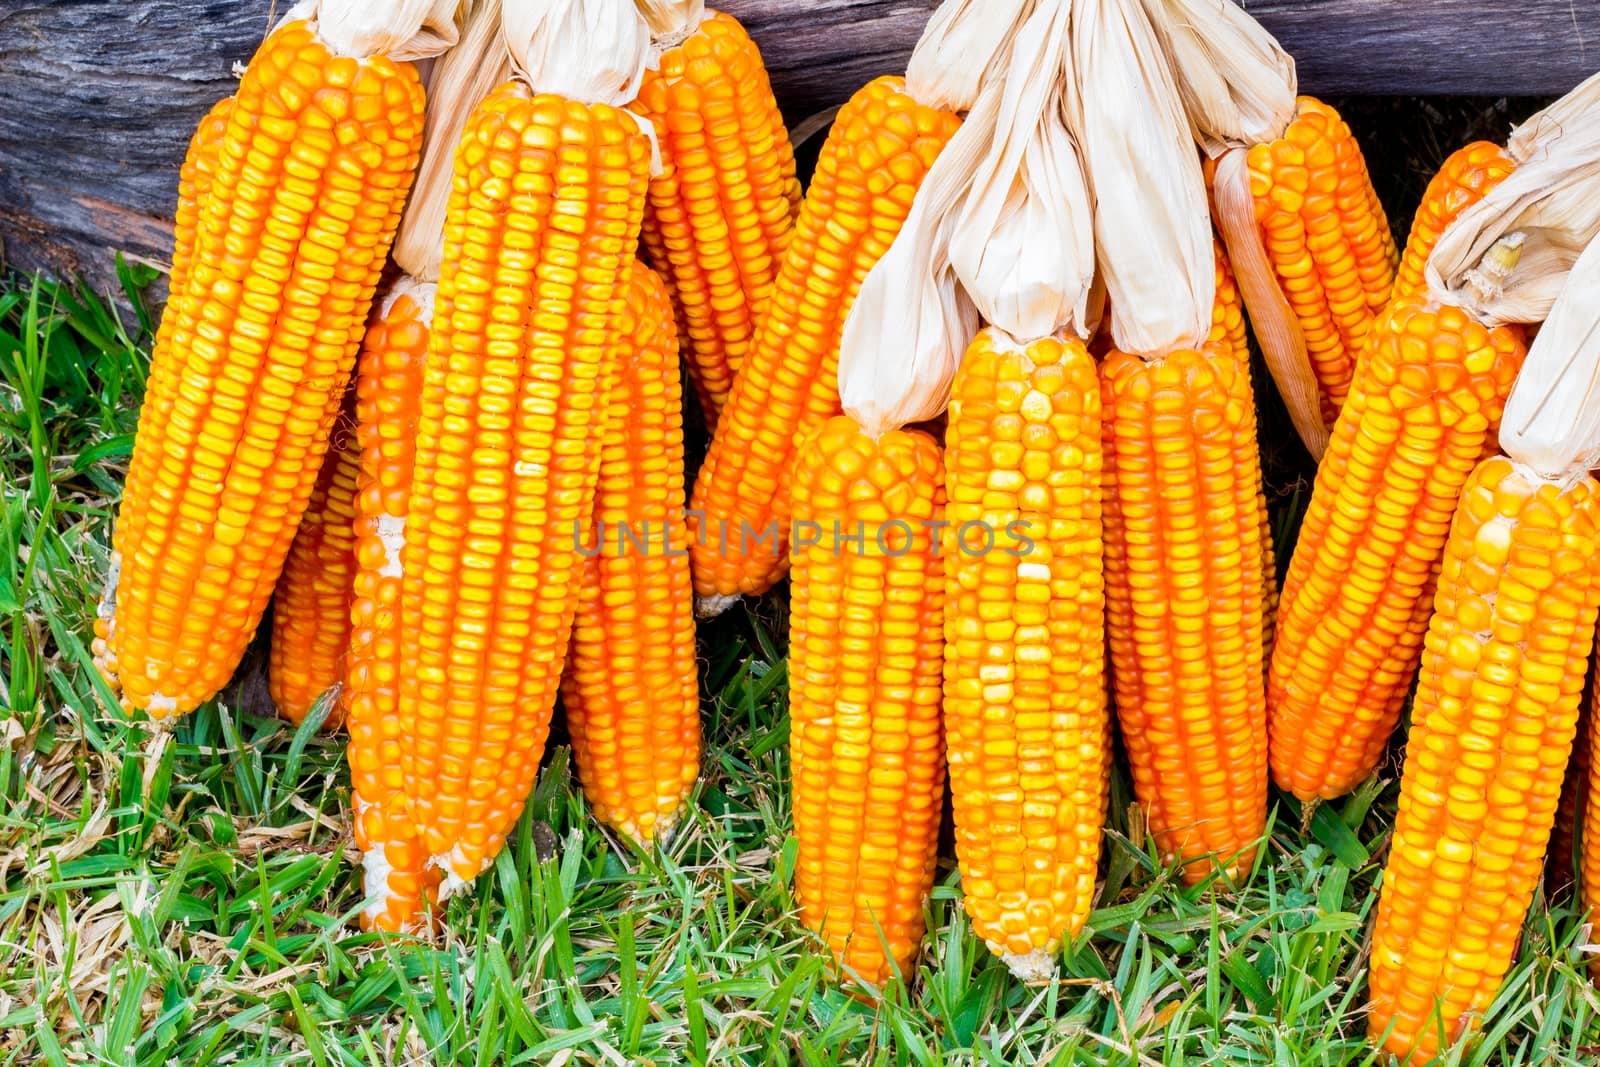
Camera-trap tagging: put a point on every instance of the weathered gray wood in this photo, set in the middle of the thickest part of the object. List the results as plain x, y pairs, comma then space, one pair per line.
98, 97
1437, 47
1401, 47
97, 102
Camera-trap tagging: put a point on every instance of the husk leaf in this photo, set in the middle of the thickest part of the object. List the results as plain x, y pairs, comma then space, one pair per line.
963, 41
1552, 199
1152, 225
669, 19
1540, 128
1022, 243
460, 81
1237, 83
399, 29
1276, 326
592, 51
1552, 418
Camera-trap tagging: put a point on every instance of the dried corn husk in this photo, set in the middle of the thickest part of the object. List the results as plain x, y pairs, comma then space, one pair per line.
1552, 418
963, 42
911, 319
460, 81
1002, 225
1276, 326
399, 29
1534, 132
593, 51
1236, 82
670, 21
1023, 242
1152, 225
1552, 200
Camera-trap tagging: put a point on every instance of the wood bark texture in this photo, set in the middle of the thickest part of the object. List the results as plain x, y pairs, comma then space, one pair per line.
98, 97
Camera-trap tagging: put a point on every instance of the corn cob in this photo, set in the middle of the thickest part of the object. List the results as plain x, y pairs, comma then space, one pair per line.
316, 159
1185, 603
547, 191
1462, 181
1552, 425
630, 690
194, 187
312, 602
865, 650
1356, 600
388, 396
1024, 676
1492, 728
1024, 654
722, 208
1184, 560
880, 147
1327, 238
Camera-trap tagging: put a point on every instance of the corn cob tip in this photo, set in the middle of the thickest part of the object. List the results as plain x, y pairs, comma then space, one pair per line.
659, 833
421, 293
451, 884
709, 607
162, 710
375, 872
1035, 966
1487, 280
108, 600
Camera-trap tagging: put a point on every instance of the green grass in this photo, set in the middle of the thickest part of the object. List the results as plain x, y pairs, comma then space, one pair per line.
191, 900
